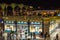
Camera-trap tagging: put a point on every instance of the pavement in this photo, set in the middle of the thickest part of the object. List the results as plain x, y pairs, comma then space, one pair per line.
37, 38
53, 35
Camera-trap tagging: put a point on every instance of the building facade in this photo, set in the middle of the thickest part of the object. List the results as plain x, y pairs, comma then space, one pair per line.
27, 19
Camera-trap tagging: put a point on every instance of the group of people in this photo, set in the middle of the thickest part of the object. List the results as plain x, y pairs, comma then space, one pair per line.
11, 36
46, 36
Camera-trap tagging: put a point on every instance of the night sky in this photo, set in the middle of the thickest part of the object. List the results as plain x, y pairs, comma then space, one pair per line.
46, 4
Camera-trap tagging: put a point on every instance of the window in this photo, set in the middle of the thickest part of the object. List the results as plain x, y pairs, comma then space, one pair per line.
9, 11
16, 11
39, 14
59, 14
52, 22
34, 13
18, 22
1, 12
9, 22
35, 22
55, 14
25, 22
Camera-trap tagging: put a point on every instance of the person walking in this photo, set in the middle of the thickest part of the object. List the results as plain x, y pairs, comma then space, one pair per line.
56, 36
14, 36
45, 36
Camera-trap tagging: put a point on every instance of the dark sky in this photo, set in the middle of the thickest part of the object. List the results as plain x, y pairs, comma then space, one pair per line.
42, 3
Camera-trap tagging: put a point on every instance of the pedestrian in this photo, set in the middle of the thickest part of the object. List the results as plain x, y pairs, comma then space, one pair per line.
45, 35
31, 35
34, 36
41, 34
8, 36
14, 36
56, 36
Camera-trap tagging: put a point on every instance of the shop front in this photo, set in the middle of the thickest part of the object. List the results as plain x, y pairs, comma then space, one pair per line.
35, 29
9, 26
53, 26
9, 29
22, 29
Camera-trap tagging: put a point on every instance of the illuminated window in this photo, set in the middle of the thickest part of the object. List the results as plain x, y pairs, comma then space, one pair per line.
12, 21
32, 22
9, 21
25, 22
22, 22
52, 22
18, 22
59, 14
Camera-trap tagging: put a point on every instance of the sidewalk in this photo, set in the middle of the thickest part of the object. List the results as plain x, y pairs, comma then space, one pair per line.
37, 38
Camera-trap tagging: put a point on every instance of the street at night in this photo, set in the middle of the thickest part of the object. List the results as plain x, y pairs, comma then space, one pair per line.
29, 20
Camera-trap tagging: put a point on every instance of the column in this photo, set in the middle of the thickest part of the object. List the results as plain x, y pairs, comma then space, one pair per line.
46, 28
43, 27
15, 25
28, 26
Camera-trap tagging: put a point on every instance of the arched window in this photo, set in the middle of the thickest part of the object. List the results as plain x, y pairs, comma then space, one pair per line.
23, 8
1, 12
34, 13
39, 14
24, 11
55, 14
9, 11
16, 11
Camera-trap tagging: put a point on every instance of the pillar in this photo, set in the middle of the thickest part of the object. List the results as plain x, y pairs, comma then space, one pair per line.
16, 25
46, 28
